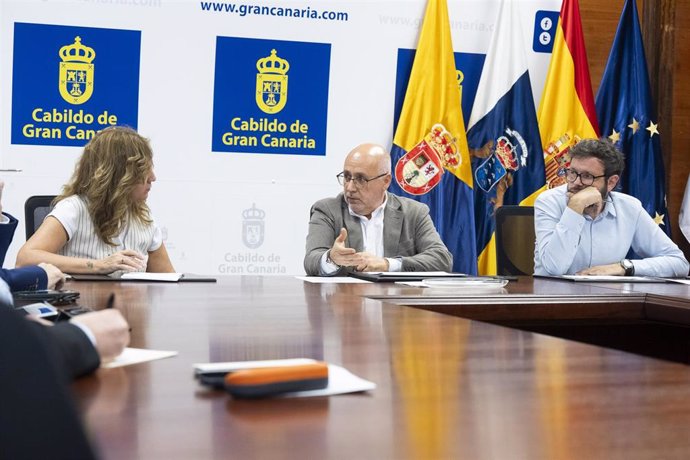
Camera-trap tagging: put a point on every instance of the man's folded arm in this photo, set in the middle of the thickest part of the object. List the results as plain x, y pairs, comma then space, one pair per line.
666, 260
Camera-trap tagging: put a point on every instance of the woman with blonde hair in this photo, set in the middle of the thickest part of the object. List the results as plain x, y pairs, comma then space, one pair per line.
100, 222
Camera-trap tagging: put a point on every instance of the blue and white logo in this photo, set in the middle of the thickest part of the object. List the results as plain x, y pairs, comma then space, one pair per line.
68, 83
270, 96
545, 23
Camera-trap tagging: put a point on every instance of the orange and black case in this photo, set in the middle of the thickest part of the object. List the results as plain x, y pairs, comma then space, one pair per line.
272, 381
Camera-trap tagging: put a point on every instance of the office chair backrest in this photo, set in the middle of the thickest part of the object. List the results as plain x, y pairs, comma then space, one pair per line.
36, 209
515, 240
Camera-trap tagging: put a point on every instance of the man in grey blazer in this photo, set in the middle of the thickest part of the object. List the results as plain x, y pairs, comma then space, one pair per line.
365, 228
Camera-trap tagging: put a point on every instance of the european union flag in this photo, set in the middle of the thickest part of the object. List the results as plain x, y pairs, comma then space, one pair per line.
627, 116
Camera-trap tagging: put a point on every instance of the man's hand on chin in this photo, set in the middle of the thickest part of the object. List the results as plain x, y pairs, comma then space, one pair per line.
610, 269
586, 201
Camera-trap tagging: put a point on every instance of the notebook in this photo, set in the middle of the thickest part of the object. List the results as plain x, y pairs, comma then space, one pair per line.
145, 276
604, 278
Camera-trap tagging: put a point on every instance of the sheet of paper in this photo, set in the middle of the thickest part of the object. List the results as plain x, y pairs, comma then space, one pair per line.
200, 368
412, 283
340, 381
614, 279
678, 280
146, 276
136, 356
332, 279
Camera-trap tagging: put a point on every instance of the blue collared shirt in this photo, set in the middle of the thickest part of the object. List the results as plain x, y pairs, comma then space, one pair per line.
568, 242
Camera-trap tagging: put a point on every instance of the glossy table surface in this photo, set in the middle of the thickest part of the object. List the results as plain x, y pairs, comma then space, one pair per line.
447, 387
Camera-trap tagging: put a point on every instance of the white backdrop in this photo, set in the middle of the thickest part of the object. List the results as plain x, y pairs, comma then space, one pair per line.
200, 195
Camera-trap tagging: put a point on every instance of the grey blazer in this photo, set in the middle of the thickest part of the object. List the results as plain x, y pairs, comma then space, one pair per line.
408, 234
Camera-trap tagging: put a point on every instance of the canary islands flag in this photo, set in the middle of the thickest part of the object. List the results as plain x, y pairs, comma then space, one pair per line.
566, 112
430, 155
503, 134
627, 116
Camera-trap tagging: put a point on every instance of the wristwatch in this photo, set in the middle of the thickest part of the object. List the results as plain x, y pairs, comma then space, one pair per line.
628, 267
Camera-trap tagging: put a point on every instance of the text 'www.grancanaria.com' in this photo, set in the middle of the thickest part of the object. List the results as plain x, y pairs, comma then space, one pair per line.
243, 9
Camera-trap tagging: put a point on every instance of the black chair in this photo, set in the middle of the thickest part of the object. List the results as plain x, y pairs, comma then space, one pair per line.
515, 240
36, 209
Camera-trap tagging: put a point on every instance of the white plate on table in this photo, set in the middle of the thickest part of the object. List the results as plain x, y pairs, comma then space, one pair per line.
466, 284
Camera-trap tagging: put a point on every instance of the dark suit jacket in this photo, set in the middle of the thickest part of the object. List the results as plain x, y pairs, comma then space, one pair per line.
38, 419
19, 279
408, 233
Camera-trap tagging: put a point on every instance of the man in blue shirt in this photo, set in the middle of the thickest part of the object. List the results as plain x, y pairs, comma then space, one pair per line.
585, 228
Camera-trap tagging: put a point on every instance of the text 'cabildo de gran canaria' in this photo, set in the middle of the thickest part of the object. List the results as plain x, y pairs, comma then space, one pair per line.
50, 124
268, 133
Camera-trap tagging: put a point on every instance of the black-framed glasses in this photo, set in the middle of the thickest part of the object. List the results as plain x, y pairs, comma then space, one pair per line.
585, 177
359, 180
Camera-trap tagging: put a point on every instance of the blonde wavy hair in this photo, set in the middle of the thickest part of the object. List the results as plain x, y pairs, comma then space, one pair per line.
115, 160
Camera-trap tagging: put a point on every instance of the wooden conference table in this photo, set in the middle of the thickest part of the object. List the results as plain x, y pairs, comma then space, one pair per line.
447, 387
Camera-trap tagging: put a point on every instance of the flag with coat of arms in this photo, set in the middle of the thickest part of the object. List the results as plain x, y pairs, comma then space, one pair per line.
566, 112
503, 134
429, 153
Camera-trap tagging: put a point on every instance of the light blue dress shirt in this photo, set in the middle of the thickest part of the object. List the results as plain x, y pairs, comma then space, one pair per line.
568, 242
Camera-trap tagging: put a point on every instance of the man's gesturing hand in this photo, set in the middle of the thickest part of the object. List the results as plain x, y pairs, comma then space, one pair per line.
342, 255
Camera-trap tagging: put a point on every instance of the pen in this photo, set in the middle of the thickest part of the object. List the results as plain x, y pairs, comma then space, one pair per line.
111, 303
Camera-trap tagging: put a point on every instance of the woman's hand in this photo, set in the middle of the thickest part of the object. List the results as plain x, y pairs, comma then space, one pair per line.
126, 261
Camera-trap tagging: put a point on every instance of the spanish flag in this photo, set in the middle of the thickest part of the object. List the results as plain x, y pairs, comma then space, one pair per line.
567, 112
432, 99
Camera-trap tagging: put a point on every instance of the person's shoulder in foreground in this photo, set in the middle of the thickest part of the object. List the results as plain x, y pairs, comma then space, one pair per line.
584, 227
38, 418
400, 235
39, 359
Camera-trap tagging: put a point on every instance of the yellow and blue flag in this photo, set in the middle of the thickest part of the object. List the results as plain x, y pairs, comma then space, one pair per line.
627, 117
503, 134
432, 99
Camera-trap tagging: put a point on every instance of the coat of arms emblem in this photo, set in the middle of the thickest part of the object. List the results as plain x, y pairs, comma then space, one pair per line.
253, 227
272, 83
509, 154
76, 72
557, 158
420, 170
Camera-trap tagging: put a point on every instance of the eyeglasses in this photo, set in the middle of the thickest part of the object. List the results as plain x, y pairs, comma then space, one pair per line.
360, 181
585, 177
